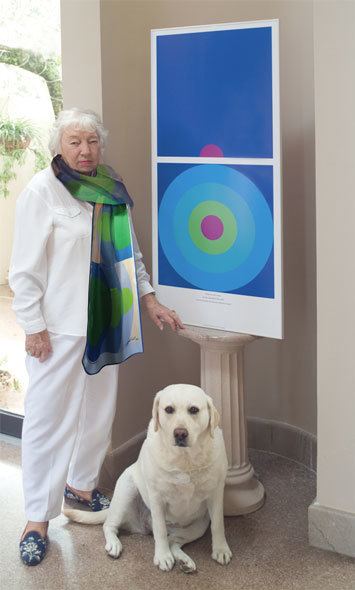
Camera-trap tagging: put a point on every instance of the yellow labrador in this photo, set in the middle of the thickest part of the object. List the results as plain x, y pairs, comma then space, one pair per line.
175, 488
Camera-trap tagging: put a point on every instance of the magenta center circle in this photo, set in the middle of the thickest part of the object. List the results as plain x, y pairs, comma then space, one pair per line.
211, 150
212, 227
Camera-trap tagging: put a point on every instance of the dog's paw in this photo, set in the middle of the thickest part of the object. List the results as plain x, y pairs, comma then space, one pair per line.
164, 560
187, 565
222, 554
114, 547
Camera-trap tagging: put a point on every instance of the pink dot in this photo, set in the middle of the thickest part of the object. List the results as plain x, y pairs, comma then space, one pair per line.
211, 151
212, 227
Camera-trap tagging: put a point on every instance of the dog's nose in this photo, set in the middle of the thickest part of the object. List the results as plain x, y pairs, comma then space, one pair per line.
180, 435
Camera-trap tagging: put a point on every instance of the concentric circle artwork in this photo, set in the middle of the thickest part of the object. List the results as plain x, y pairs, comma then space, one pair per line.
216, 175
215, 228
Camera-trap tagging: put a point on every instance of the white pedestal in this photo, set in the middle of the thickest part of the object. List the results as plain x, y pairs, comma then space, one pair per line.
222, 378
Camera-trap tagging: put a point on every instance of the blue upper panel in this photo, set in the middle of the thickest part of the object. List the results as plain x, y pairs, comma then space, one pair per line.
214, 89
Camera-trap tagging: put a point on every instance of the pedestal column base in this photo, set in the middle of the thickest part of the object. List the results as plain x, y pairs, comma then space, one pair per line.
243, 492
222, 379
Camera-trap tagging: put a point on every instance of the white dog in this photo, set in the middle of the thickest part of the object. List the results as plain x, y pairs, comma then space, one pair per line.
175, 488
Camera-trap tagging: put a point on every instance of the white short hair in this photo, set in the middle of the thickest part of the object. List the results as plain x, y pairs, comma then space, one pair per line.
79, 119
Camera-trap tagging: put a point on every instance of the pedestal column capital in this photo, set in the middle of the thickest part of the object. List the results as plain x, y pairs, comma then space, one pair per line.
216, 339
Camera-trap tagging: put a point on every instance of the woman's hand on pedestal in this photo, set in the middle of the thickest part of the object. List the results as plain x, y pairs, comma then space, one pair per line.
160, 314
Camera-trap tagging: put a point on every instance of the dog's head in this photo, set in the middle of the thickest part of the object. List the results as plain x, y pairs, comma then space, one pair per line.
183, 413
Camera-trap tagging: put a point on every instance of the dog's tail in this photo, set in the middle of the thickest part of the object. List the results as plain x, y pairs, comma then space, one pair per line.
85, 517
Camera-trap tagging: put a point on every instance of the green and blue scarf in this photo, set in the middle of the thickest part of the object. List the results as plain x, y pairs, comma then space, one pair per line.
114, 327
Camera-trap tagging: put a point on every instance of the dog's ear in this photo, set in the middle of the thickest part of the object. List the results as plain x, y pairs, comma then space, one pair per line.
214, 416
155, 412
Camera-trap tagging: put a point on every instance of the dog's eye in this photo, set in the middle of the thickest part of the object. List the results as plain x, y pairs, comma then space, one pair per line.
194, 410
169, 409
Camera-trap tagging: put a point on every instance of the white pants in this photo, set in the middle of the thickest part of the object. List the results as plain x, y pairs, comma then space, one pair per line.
67, 426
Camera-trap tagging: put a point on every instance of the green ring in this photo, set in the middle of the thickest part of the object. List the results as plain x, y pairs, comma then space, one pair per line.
230, 229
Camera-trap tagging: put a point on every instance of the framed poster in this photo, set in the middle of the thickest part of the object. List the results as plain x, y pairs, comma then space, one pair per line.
216, 175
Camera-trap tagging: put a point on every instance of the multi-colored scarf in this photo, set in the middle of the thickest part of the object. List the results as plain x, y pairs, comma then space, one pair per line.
114, 328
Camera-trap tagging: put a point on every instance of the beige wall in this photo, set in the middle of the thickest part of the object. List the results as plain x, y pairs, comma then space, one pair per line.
335, 149
280, 377
81, 54
107, 68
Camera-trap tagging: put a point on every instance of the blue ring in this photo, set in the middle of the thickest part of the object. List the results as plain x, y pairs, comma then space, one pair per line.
249, 253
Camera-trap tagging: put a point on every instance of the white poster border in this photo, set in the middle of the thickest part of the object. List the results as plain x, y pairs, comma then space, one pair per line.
236, 313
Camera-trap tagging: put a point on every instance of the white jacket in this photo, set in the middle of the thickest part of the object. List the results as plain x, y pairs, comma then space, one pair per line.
50, 263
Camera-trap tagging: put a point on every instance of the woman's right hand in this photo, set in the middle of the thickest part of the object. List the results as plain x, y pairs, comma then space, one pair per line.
38, 345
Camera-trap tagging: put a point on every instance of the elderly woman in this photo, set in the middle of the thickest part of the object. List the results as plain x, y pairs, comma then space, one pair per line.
81, 319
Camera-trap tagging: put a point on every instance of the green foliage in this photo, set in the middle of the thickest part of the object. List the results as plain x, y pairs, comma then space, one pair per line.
14, 133
20, 136
48, 68
16, 384
17, 137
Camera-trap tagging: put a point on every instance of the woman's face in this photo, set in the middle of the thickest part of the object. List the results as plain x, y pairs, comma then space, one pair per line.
80, 149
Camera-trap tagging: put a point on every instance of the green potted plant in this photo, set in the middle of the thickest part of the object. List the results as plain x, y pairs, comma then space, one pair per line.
16, 138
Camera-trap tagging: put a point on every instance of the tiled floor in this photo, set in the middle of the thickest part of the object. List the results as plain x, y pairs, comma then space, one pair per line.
270, 546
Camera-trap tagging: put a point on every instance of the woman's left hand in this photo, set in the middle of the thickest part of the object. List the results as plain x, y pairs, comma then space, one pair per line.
160, 314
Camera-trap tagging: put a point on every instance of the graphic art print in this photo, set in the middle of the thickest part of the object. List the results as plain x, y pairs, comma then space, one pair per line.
216, 175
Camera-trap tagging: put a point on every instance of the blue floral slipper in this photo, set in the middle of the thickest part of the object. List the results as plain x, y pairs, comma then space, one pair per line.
98, 501
33, 548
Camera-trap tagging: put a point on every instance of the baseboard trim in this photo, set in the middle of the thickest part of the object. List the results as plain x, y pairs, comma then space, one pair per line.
331, 529
263, 435
117, 460
11, 424
283, 439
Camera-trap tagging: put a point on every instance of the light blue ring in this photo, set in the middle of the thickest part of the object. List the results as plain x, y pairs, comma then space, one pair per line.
251, 250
